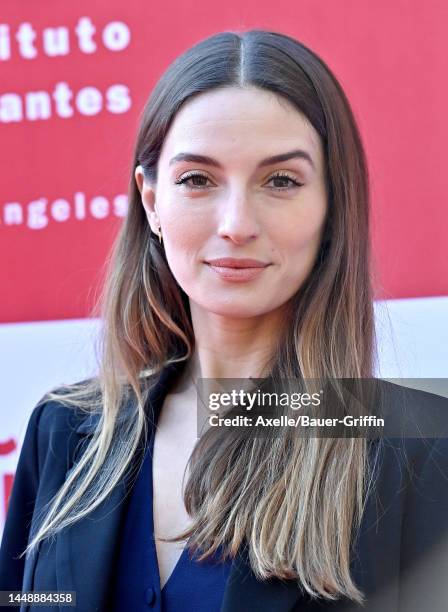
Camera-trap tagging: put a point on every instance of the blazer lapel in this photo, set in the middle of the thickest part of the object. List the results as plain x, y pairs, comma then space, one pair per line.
244, 593
85, 551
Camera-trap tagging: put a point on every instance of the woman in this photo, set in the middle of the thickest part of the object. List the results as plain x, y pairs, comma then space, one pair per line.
245, 253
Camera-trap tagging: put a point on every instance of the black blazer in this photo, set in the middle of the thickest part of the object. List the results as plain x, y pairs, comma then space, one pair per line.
399, 560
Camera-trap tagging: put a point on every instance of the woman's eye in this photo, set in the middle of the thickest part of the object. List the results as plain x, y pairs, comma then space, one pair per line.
282, 180
199, 181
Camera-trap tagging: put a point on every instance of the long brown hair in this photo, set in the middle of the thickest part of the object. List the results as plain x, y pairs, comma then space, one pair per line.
297, 502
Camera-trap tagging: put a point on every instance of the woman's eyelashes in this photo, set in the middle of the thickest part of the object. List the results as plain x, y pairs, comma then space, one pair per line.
199, 181
284, 177
192, 176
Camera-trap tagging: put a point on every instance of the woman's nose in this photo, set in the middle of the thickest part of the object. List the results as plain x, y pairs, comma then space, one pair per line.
238, 219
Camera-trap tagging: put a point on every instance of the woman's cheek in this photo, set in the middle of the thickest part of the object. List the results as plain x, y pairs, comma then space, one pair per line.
184, 249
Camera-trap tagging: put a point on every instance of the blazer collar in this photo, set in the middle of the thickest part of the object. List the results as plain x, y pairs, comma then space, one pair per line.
88, 424
85, 551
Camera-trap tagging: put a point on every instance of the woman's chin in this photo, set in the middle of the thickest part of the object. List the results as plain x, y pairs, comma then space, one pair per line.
234, 310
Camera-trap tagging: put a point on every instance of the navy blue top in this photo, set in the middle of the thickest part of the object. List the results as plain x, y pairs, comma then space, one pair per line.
192, 586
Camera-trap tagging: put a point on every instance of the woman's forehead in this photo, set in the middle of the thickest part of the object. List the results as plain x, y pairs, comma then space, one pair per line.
239, 122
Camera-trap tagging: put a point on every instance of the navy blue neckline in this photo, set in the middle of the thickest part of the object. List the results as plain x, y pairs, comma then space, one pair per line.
150, 450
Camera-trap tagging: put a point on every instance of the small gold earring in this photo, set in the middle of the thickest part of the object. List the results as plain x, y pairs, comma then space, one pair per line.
160, 235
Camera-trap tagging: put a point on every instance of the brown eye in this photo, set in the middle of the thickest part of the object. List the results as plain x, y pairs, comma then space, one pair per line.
199, 180
284, 182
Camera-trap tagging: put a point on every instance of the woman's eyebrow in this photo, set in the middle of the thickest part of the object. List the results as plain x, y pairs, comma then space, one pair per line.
281, 157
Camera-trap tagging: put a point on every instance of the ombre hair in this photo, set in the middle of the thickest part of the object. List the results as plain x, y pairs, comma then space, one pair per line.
297, 502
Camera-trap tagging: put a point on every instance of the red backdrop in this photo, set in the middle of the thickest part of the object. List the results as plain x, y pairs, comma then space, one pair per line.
68, 117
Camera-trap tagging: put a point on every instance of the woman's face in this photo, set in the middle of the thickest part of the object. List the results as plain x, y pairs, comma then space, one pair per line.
221, 193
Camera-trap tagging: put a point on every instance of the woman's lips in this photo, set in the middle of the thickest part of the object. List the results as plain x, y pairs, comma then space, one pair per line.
237, 274
237, 262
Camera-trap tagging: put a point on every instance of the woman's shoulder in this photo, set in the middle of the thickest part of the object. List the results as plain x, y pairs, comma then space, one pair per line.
409, 460
411, 463
412, 468
64, 411
415, 421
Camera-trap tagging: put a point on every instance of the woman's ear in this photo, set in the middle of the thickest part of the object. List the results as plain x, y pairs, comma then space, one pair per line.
148, 197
